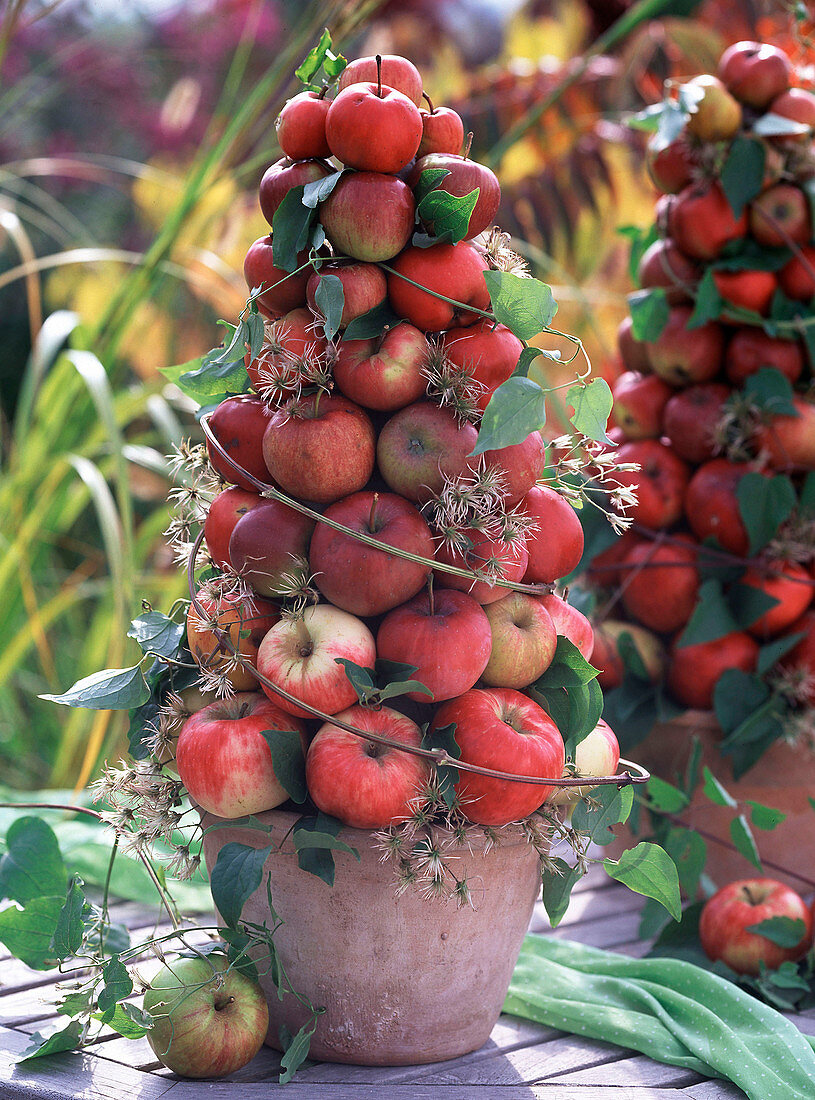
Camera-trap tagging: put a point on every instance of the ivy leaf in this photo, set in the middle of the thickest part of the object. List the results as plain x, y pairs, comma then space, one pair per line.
314, 839
640, 240
296, 1052
771, 391
70, 927
783, 931
318, 190
117, 987
32, 865
649, 311
288, 762
742, 836
516, 408
28, 933
291, 228
712, 617
215, 375
236, 875
742, 176
665, 120
127, 1020
772, 125
257, 333
68, 1038
611, 805
747, 604
771, 653
429, 180
688, 850
525, 306
765, 817
764, 504
649, 870
558, 884
372, 324
110, 689
714, 790
320, 57
736, 697
447, 216
664, 797
592, 407
157, 633
445, 738
330, 300
709, 302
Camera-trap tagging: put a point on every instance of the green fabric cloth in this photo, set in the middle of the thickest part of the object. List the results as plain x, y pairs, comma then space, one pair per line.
671, 1010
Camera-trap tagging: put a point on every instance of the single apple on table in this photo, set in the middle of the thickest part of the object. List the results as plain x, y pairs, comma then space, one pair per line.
524, 641
728, 916
301, 655
503, 730
363, 784
209, 1019
225, 762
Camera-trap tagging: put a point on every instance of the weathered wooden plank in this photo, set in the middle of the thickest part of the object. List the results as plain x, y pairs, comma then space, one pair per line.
636, 1070
596, 904
297, 1090
712, 1090
603, 932
72, 1075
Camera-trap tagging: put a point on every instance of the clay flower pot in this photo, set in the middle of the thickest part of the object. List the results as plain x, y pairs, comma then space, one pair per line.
404, 980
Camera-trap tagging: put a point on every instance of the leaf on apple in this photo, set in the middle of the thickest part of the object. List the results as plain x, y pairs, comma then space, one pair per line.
745, 254
558, 884
237, 873
742, 176
573, 697
712, 617
764, 504
709, 302
318, 190
291, 228
649, 311
783, 931
372, 324
592, 407
320, 57
314, 839
288, 762
526, 306
771, 653
603, 807
649, 870
764, 817
157, 633
516, 408
445, 738
330, 300
109, 689
446, 215
127, 1020
742, 836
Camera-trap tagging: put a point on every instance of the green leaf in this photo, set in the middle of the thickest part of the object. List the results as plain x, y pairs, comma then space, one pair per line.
445, 738
568, 667
71, 921
110, 689
631, 657
117, 985
156, 633
236, 875
362, 679
709, 302
448, 216
808, 492
592, 407
770, 390
330, 301
665, 797
32, 866
742, 836
320, 57
525, 361
649, 311
257, 331
127, 1020
291, 228
648, 870
640, 240
314, 839
214, 376
736, 697
525, 306
516, 408
68, 1038
612, 805
771, 653
372, 324
688, 850
318, 190
666, 120
783, 931
765, 817
429, 180
742, 176
747, 604
764, 504
570, 693
712, 617
557, 889
28, 933
296, 1052
714, 790
288, 762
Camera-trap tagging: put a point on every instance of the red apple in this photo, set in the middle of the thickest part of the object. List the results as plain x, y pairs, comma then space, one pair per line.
799, 663
361, 783
728, 916
357, 577
717, 116
755, 72
364, 287
373, 127
751, 290
660, 482
369, 215
633, 352
662, 585
597, 754
606, 568
205, 996
673, 166
464, 176
519, 465
570, 623
750, 349
488, 351
238, 424
293, 344
280, 177
608, 658
384, 373
691, 420
244, 619
492, 553
663, 265
798, 105
712, 506
701, 221
639, 401
300, 126
453, 270
425, 632
442, 130
780, 215
320, 448
524, 641
788, 442
301, 657
224, 512
694, 670
268, 544
283, 291
680, 355
395, 71
421, 445
503, 730
797, 277
224, 760
555, 549
788, 583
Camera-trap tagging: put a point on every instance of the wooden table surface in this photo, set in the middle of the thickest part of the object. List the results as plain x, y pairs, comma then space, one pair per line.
521, 1061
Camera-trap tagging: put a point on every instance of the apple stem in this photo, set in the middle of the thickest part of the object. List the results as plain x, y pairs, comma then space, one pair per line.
372, 517
753, 900
468, 145
380, 340
429, 102
430, 597
303, 637
379, 76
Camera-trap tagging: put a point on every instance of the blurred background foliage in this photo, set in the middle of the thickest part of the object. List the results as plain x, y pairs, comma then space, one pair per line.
132, 139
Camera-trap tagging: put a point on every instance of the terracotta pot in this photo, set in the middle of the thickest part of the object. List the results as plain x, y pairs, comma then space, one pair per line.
404, 980
783, 778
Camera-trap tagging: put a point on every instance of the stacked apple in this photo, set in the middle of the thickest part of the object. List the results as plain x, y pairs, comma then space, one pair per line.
718, 373
431, 565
